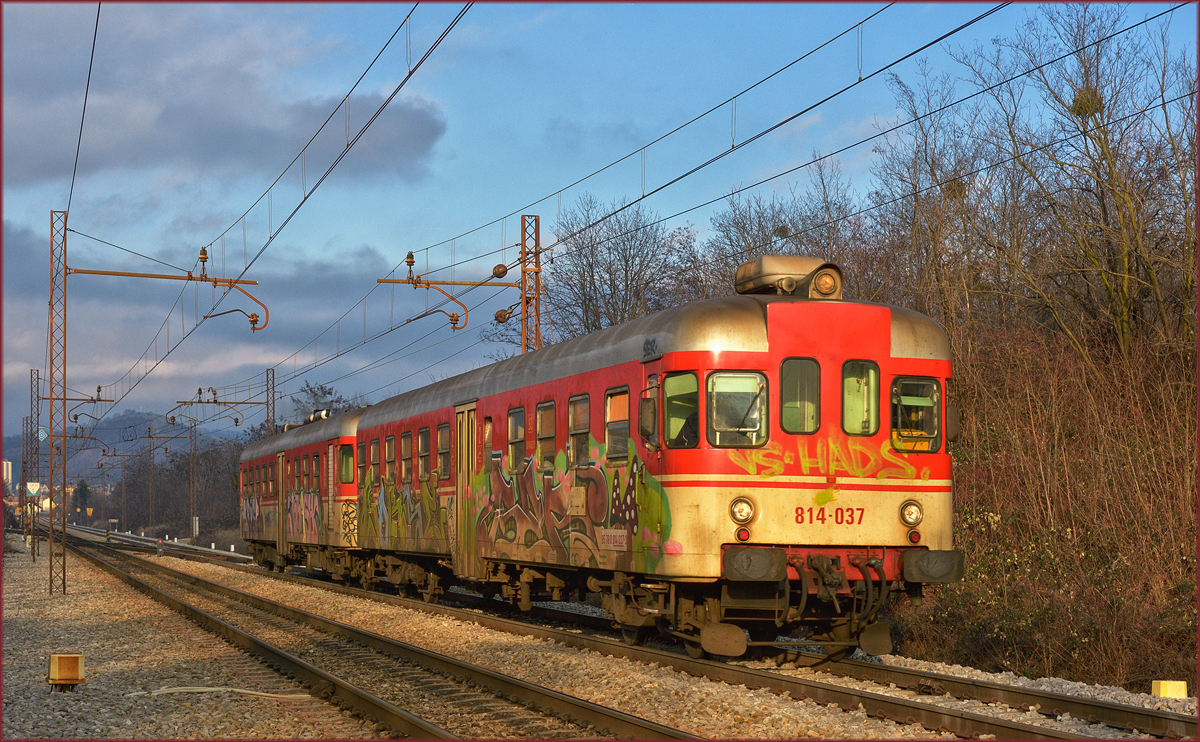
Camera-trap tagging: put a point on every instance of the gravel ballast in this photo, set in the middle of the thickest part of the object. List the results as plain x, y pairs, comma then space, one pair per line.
133, 646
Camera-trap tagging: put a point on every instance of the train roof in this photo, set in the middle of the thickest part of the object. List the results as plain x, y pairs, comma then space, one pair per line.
729, 323
338, 426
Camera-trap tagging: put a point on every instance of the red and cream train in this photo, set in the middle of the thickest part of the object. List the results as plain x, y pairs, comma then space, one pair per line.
773, 461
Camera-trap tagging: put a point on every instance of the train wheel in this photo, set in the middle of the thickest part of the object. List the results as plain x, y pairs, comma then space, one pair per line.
634, 636
694, 650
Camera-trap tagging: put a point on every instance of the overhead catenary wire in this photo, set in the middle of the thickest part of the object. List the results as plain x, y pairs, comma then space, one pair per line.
159, 359
750, 249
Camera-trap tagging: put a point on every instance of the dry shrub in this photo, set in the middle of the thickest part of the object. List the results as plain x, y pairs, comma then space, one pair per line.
1075, 494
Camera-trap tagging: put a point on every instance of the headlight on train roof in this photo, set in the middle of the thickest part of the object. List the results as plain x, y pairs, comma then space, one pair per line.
825, 282
911, 513
741, 510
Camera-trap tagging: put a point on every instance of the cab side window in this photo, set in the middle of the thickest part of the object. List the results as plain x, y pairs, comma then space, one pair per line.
916, 414
800, 395
681, 410
860, 398
737, 409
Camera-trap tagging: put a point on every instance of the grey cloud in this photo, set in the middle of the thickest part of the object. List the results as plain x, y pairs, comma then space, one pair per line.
175, 88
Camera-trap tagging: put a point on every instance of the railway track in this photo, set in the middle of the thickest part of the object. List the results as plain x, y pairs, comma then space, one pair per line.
919, 688
456, 699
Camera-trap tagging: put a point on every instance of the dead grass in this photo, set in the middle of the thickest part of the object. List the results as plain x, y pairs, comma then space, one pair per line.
1076, 509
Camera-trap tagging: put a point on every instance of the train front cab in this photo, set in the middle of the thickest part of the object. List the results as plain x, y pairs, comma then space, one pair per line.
812, 480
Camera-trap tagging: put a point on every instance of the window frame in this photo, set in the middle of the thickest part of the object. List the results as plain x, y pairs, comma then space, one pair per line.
709, 408
517, 445
361, 462
443, 454
935, 440
316, 472
578, 438
875, 397
374, 463
782, 426
406, 457
423, 470
608, 423
545, 439
669, 440
306, 480
389, 457
346, 468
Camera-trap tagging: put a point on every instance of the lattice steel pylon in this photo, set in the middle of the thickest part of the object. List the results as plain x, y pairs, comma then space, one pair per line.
270, 402
192, 525
35, 449
58, 401
22, 514
531, 283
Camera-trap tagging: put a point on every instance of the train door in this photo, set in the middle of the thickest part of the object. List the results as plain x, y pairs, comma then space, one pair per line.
281, 504
461, 530
329, 522
645, 417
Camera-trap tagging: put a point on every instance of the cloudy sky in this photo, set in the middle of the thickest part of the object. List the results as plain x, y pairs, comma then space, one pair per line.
194, 110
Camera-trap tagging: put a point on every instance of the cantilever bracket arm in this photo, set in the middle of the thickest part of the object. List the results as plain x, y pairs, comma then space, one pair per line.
227, 282
417, 283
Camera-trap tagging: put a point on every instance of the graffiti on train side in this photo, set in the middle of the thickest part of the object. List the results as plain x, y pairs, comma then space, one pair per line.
304, 516
398, 515
252, 525
855, 457
611, 515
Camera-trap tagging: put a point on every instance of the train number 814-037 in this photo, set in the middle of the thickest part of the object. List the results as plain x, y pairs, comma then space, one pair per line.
836, 516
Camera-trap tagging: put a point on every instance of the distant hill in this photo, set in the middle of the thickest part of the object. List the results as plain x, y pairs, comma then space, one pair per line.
121, 433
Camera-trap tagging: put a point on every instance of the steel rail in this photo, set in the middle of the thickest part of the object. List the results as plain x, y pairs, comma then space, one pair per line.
962, 723
1151, 721
320, 683
548, 701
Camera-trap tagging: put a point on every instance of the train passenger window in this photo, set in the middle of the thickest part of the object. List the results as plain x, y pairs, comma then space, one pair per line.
916, 414
316, 471
406, 457
860, 398
374, 463
270, 478
578, 455
443, 457
681, 410
296, 472
545, 436
800, 395
389, 458
256, 478
362, 464
346, 463
616, 424
487, 445
737, 409
423, 454
516, 438
307, 477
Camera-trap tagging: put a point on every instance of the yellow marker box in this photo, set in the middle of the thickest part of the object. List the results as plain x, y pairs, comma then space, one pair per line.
66, 669
1169, 688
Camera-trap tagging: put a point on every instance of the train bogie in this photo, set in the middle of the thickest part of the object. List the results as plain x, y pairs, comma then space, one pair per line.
737, 467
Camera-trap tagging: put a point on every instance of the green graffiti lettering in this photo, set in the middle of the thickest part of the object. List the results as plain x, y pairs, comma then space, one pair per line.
902, 470
838, 458
744, 459
806, 462
858, 449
